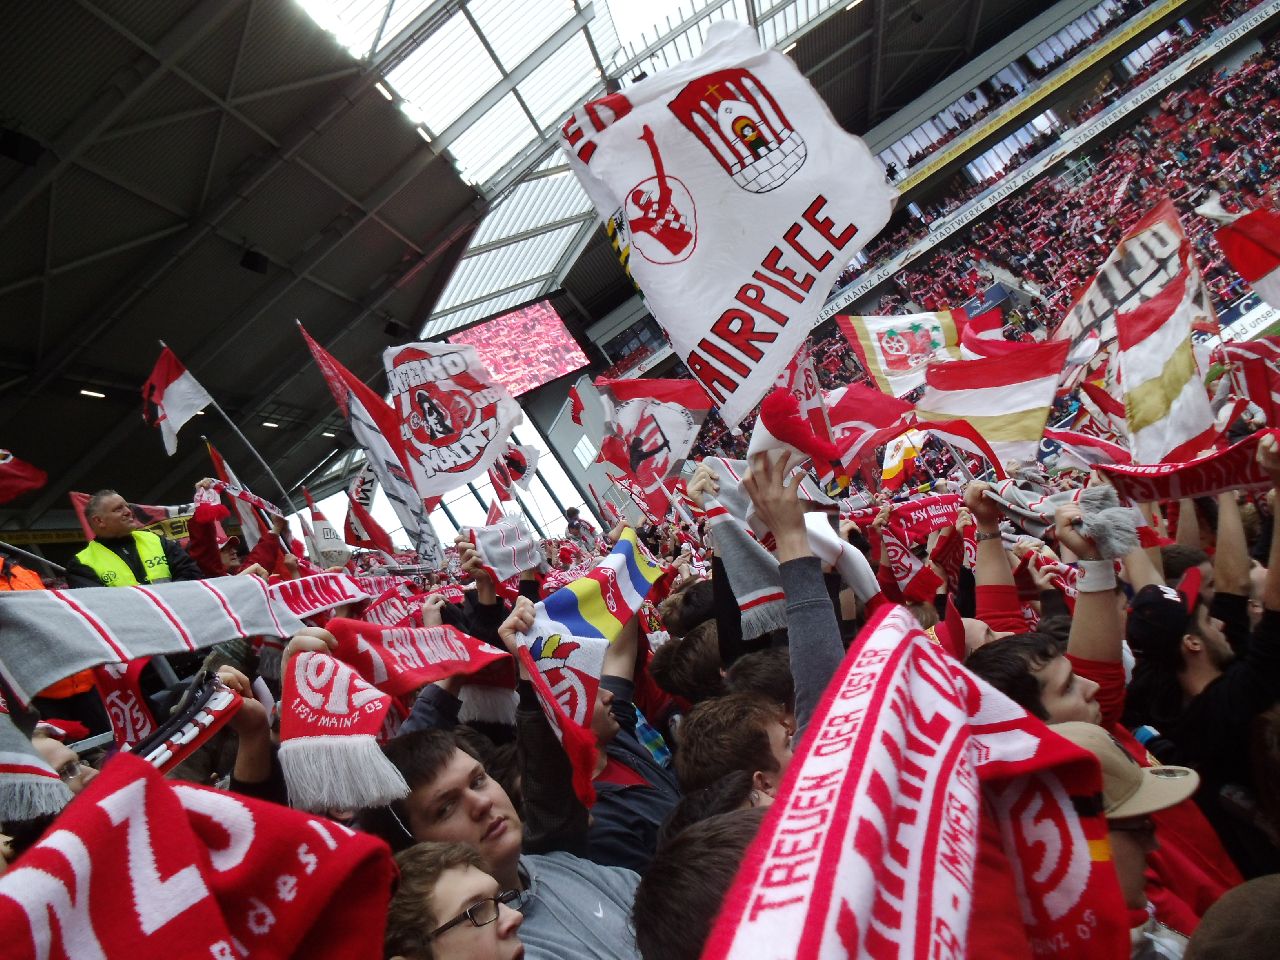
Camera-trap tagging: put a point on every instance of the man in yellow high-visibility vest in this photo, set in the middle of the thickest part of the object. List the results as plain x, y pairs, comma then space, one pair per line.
122, 554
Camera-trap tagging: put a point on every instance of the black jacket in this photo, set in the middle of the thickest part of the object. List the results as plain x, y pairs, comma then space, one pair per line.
625, 819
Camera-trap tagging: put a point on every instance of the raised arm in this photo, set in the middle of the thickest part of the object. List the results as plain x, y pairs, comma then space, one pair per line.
1096, 630
812, 629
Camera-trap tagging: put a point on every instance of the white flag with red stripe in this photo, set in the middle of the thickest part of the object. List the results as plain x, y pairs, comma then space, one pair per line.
172, 396
1252, 246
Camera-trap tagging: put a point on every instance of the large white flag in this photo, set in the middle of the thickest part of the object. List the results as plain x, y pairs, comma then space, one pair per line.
454, 417
735, 199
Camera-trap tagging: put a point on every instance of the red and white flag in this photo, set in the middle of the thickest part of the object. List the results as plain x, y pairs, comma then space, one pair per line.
1006, 403
737, 201
1166, 405
454, 417
650, 425
326, 547
377, 430
895, 350
170, 397
863, 418
18, 477
1252, 246
360, 529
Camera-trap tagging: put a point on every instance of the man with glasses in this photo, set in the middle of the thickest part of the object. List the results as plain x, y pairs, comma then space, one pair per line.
75, 773
447, 905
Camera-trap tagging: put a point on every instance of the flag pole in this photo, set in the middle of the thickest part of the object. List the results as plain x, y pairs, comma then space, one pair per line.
36, 558
252, 449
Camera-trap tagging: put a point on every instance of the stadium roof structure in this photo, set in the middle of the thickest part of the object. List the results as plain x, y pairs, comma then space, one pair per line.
207, 171
868, 54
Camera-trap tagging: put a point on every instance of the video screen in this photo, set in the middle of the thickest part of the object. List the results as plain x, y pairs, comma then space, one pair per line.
525, 348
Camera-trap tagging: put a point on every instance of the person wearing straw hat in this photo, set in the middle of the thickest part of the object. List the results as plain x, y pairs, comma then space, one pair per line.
1130, 794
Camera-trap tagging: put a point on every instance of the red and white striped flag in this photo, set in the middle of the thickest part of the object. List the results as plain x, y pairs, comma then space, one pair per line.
170, 397
1083, 451
1006, 403
1252, 246
1166, 405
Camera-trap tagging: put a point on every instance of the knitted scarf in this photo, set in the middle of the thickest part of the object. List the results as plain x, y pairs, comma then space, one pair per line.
140, 866
871, 845
330, 718
507, 548
127, 709
29, 787
753, 571
46, 635
1235, 468
308, 596
402, 660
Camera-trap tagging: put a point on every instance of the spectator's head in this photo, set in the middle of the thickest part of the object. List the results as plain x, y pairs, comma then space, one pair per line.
1176, 559
1178, 652
687, 607
733, 791
689, 666
66, 763
452, 798
1243, 925
1032, 670
109, 515
571, 515
977, 634
682, 891
767, 674
603, 724
740, 731
1130, 794
228, 551
446, 906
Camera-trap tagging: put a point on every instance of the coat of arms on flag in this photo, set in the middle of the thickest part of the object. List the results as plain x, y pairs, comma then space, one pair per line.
735, 202
650, 426
454, 417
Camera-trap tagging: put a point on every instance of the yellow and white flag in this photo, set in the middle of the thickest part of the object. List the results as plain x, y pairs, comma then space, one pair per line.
1166, 404
1006, 403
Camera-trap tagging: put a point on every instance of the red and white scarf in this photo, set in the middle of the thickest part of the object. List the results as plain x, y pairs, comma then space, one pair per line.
870, 848
244, 495
139, 866
309, 596
127, 709
330, 719
401, 660
1232, 469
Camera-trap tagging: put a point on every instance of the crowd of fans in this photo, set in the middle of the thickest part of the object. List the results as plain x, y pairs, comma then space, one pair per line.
956, 119
1152, 645
1259, 69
